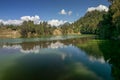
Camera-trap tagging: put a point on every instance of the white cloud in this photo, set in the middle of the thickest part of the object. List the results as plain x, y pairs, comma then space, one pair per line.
32, 18
11, 22
35, 19
1, 20
64, 12
69, 12
99, 8
55, 22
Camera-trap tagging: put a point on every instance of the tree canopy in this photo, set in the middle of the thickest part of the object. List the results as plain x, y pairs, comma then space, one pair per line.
110, 25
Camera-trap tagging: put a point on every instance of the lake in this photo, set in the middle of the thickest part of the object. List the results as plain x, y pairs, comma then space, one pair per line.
59, 58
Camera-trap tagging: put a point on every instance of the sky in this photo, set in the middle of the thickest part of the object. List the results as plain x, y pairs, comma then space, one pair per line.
47, 10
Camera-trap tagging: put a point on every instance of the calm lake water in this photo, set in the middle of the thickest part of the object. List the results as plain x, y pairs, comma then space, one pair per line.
59, 58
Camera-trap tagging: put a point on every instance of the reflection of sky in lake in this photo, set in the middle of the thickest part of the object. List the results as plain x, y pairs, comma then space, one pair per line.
35, 49
85, 64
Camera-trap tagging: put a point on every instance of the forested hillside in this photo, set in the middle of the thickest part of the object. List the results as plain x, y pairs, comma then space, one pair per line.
105, 24
88, 24
109, 27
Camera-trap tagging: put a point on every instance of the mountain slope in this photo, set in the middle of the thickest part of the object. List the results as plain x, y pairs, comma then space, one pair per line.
89, 22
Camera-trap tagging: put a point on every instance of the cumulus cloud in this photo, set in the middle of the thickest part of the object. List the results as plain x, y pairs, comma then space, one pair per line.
1, 20
55, 22
99, 8
11, 22
69, 12
35, 19
64, 12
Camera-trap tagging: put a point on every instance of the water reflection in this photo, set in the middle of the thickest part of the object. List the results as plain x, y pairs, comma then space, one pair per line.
56, 45
71, 59
105, 51
94, 59
35, 47
111, 52
45, 67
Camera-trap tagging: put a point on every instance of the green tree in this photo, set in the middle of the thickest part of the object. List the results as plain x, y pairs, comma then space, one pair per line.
110, 26
88, 24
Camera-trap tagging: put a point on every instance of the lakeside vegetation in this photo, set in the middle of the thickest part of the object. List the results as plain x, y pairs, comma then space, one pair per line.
110, 25
87, 49
102, 23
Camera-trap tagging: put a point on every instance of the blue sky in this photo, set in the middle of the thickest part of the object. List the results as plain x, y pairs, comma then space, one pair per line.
47, 9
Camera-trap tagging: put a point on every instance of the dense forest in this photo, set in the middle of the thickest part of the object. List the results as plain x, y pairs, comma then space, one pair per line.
29, 29
109, 27
89, 23
105, 24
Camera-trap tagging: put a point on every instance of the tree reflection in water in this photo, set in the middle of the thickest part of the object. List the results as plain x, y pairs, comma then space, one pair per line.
72, 59
109, 49
48, 67
111, 52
